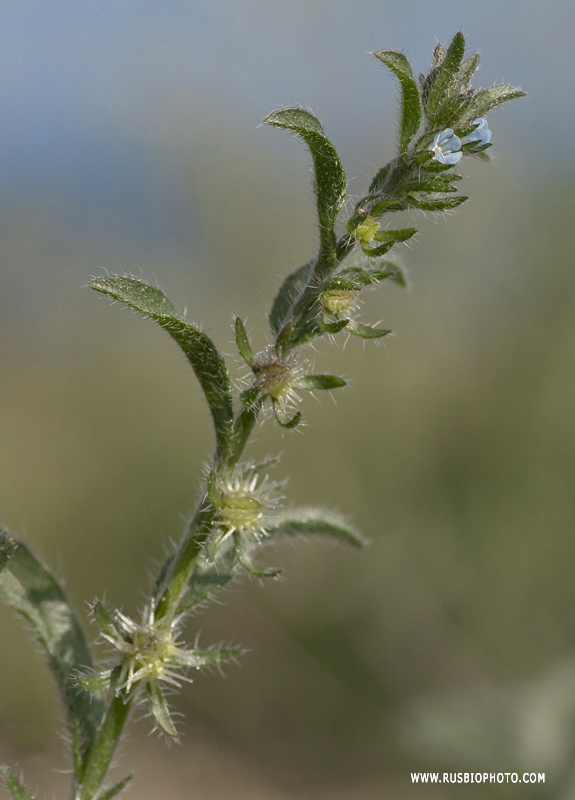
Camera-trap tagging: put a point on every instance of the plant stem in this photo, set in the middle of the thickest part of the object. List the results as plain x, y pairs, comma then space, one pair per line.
104, 747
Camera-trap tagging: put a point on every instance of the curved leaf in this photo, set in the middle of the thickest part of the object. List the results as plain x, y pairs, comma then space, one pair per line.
197, 346
410, 97
486, 99
31, 590
330, 182
314, 522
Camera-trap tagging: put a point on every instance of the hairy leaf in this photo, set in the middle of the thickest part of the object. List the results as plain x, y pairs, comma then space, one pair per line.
322, 382
29, 588
366, 331
446, 73
290, 290
410, 98
314, 522
199, 349
487, 99
330, 183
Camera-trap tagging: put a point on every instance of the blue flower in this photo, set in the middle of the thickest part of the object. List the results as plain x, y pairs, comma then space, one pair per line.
446, 147
480, 136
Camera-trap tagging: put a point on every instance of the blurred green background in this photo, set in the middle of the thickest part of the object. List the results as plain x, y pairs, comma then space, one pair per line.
130, 142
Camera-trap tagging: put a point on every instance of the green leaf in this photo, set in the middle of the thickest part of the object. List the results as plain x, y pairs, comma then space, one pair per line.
31, 590
210, 575
400, 235
410, 98
290, 290
159, 708
243, 343
366, 331
314, 522
284, 419
334, 327
486, 99
446, 74
14, 786
468, 70
252, 566
115, 790
98, 681
104, 619
321, 382
207, 363
330, 182
438, 203
212, 657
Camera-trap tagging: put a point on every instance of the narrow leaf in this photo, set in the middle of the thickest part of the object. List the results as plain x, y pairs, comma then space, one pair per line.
252, 566
314, 522
410, 98
487, 99
400, 235
290, 290
31, 590
243, 343
446, 73
210, 575
322, 382
159, 708
115, 790
438, 204
330, 183
468, 70
207, 363
366, 331
14, 786
212, 657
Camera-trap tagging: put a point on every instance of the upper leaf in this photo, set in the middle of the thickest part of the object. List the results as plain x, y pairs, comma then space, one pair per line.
486, 99
410, 97
330, 183
446, 73
199, 349
28, 587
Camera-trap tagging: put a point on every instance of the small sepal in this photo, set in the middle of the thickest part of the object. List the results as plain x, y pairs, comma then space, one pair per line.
98, 681
14, 786
284, 419
159, 709
117, 789
322, 382
366, 331
104, 620
252, 566
243, 343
